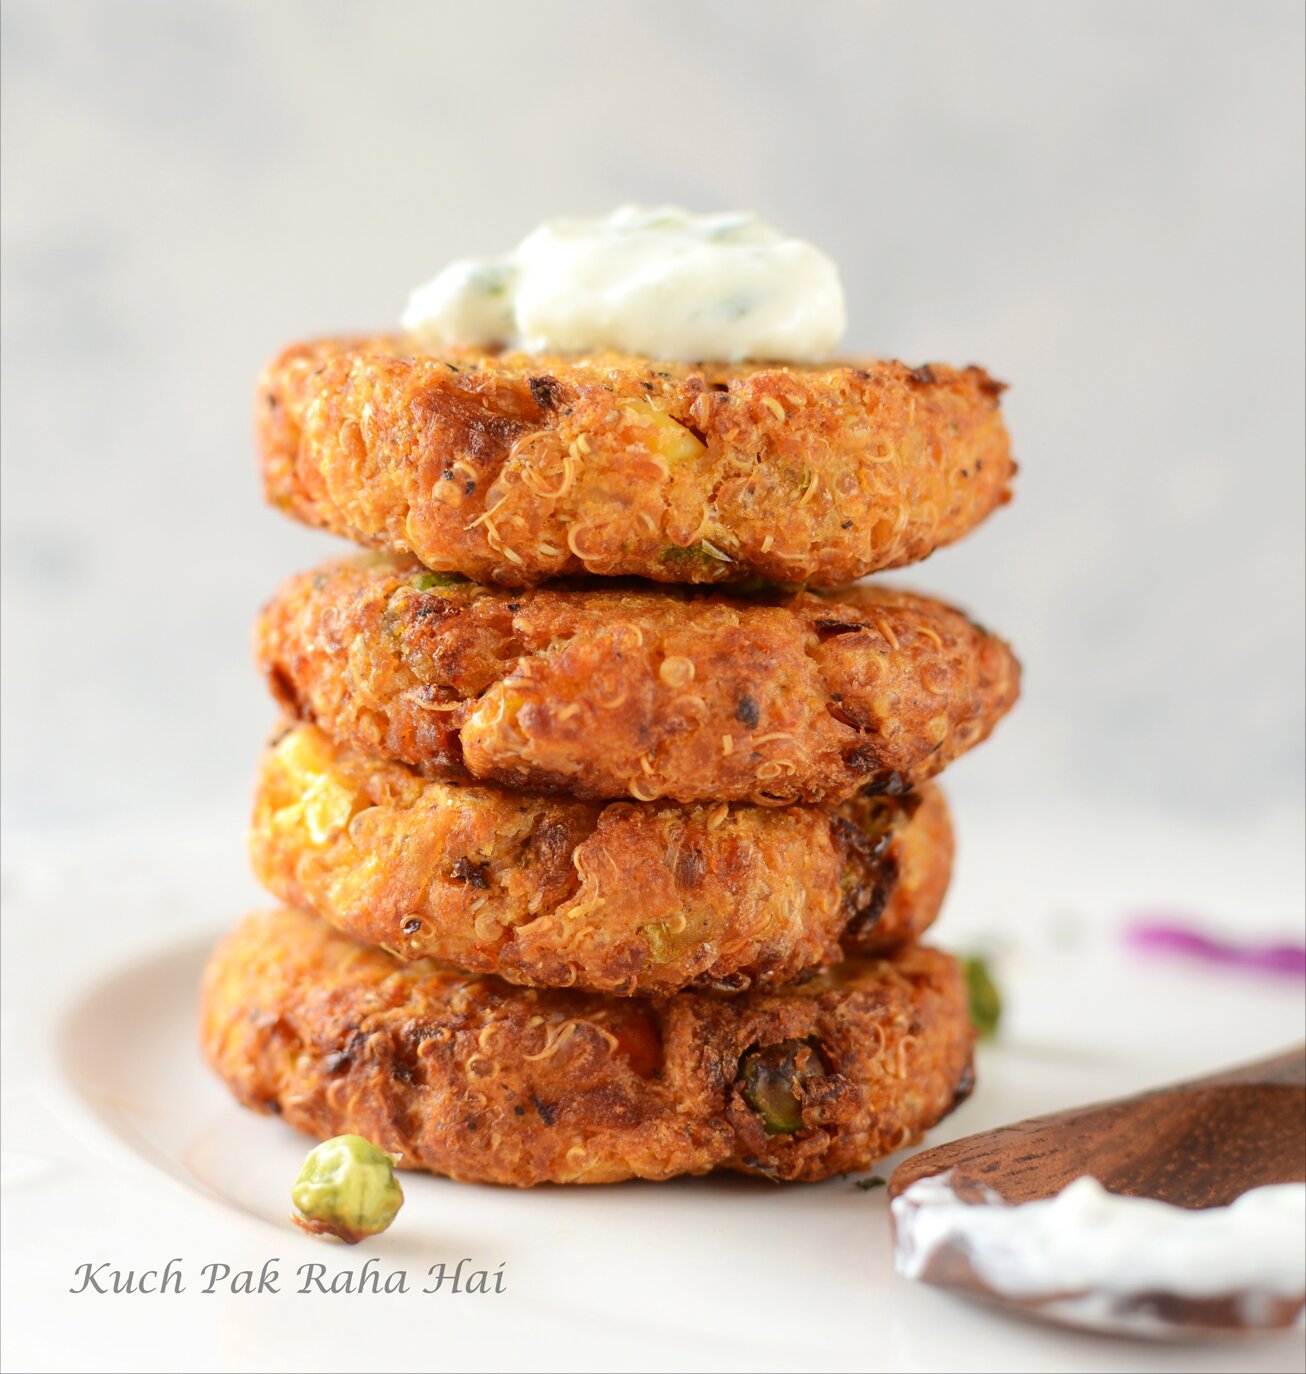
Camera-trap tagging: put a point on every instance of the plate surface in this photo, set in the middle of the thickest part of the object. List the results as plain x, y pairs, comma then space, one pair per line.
123, 1150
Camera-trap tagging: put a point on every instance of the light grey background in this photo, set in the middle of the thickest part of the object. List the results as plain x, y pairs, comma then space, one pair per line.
1102, 202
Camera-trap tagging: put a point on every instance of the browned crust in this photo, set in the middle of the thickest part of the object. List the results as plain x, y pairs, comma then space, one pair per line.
914, 870
515, 468
636, 692
469, 1077
618, 898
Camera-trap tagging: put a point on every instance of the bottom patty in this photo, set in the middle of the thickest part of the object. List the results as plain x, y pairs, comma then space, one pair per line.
468, 1076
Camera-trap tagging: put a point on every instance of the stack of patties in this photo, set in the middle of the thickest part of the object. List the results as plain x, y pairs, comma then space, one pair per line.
603, 818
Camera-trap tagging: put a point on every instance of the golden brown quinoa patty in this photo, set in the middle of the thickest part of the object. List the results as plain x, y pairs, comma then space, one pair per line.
635, 692
513, 468
618, 898
470, 1077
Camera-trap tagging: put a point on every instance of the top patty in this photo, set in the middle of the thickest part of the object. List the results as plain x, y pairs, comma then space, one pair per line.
513, 468
636, 691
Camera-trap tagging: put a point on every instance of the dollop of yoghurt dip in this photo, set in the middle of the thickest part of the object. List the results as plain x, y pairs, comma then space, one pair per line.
659, 282
1085, 1253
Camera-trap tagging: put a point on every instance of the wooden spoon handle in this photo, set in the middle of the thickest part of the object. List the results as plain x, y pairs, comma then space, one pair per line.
1196, 1144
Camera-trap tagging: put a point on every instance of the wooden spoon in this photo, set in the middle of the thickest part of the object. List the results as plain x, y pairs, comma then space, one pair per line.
1197, 1145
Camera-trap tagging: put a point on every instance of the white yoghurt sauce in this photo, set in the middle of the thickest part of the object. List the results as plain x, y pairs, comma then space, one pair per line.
660, 282
1091, 1245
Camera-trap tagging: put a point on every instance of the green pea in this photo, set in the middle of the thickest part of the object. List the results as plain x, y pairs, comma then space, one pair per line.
347, 1189
770, 1079
985, 999
425, 581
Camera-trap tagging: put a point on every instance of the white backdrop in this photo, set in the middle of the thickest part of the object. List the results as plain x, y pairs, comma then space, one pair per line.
1102, 202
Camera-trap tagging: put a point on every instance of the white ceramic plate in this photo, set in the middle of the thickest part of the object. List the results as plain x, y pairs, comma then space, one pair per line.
121, 1149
